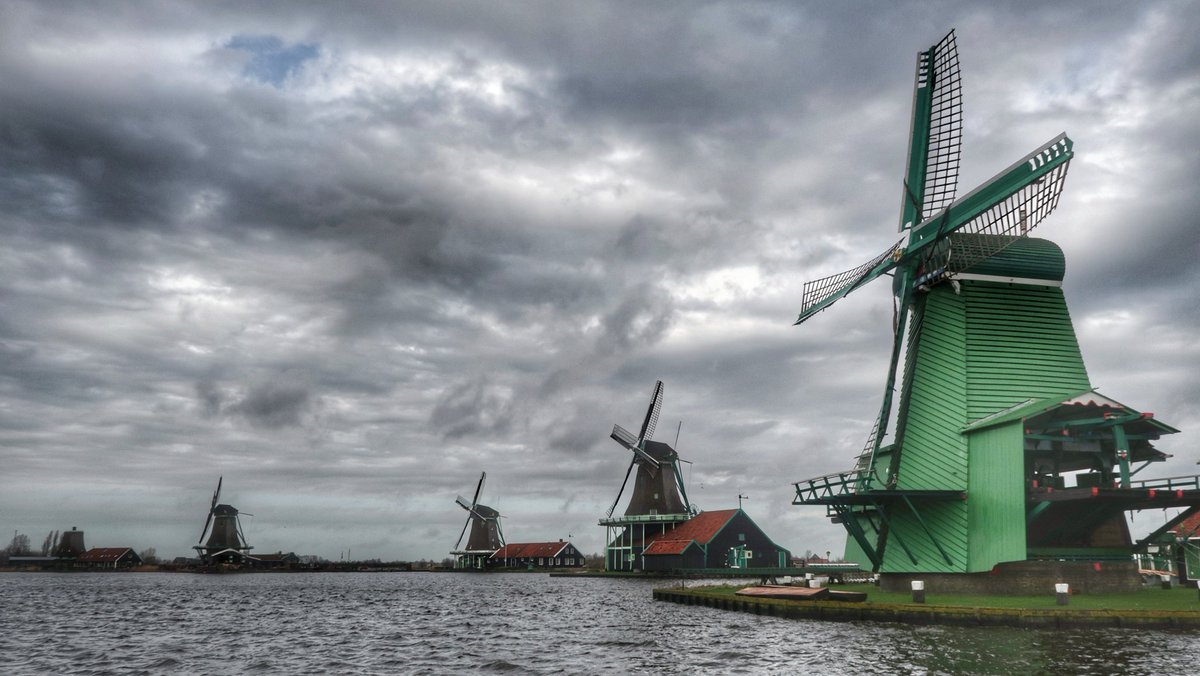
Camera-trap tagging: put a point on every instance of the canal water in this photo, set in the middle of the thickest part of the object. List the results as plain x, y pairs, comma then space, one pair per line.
448, 623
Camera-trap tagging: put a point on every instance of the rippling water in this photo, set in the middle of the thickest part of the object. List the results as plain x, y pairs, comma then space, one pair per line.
434, 623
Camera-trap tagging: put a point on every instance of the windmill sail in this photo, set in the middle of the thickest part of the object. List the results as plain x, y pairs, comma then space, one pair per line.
935, 137
821, 293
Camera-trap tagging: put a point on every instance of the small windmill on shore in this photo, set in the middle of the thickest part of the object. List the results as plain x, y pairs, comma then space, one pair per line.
486, 535
226, 542
659, 499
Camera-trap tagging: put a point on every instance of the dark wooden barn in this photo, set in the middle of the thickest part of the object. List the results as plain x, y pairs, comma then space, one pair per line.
109, 557
717, 539
560, 554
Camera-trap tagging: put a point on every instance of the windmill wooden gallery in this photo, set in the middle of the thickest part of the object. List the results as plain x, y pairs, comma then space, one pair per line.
1005, 468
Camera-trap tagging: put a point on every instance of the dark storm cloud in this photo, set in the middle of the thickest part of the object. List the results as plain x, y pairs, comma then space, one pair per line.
350, 258
274, 404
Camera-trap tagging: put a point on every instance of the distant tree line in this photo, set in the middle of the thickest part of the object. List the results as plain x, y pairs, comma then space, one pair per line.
19, 546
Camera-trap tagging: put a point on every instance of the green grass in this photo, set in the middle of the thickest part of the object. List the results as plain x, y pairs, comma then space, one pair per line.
1147, 599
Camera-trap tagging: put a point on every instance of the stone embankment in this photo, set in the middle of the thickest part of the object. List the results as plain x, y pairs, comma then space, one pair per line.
837, 611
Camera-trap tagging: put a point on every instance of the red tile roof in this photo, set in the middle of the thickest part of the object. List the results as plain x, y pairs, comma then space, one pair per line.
664, 546
1189, 527
104, 554
525, 550
700, 528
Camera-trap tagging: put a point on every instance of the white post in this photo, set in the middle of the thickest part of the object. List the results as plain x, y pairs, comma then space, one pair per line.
1062, 593
918, 591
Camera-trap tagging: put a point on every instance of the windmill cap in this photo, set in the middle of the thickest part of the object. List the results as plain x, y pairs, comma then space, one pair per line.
1026, 258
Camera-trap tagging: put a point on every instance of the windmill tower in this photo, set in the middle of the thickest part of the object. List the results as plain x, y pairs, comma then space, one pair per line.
71, 545
226, 543
659, 500
486, 536
1001, 450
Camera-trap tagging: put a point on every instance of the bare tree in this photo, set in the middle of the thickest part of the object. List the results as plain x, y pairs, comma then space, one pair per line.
47, 543
19, 545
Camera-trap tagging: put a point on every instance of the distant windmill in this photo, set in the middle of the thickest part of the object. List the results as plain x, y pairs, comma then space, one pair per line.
226, 540
486, 535
658, 487
659, 500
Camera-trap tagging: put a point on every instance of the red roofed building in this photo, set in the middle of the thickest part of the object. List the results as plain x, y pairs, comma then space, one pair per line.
717, 539
109, 557
560, 554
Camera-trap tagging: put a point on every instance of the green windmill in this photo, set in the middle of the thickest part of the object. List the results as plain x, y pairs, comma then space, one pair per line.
1001, 450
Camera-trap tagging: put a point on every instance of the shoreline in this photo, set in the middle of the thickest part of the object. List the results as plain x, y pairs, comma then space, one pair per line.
933, 613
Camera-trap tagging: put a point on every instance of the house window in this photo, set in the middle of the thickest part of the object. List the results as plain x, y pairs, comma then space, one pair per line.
741, 537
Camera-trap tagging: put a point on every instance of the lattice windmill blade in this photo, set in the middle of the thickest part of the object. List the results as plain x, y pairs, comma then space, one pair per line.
470, 507
237, 522
478, 490
464, 532
935, 136
211, 508
623, 483
821, 293
207, 523
1008, 206
626, 439
1006, 221
651, 420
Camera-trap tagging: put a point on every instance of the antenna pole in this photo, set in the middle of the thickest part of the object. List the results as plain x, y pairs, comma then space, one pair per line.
740, 498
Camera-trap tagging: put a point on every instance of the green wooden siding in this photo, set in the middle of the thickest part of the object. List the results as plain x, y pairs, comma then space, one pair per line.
947, 520
974, 352
1020, 345
996, 497
854, 552
933, 408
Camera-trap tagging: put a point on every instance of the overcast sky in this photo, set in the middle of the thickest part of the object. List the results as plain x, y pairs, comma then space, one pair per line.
350, 256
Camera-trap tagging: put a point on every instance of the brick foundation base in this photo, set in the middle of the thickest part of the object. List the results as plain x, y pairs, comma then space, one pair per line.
1025, 577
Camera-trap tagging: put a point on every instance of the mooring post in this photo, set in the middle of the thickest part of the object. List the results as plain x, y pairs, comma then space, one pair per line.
918, 591
1062, 593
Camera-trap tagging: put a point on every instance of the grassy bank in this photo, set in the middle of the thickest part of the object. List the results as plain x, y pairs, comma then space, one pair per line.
1151, 598
1149, 608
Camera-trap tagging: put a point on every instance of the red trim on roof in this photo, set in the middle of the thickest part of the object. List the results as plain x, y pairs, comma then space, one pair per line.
526, 550
105, 554
663, 546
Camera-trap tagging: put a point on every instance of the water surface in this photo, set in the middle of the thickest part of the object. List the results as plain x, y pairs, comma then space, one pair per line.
449, 623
